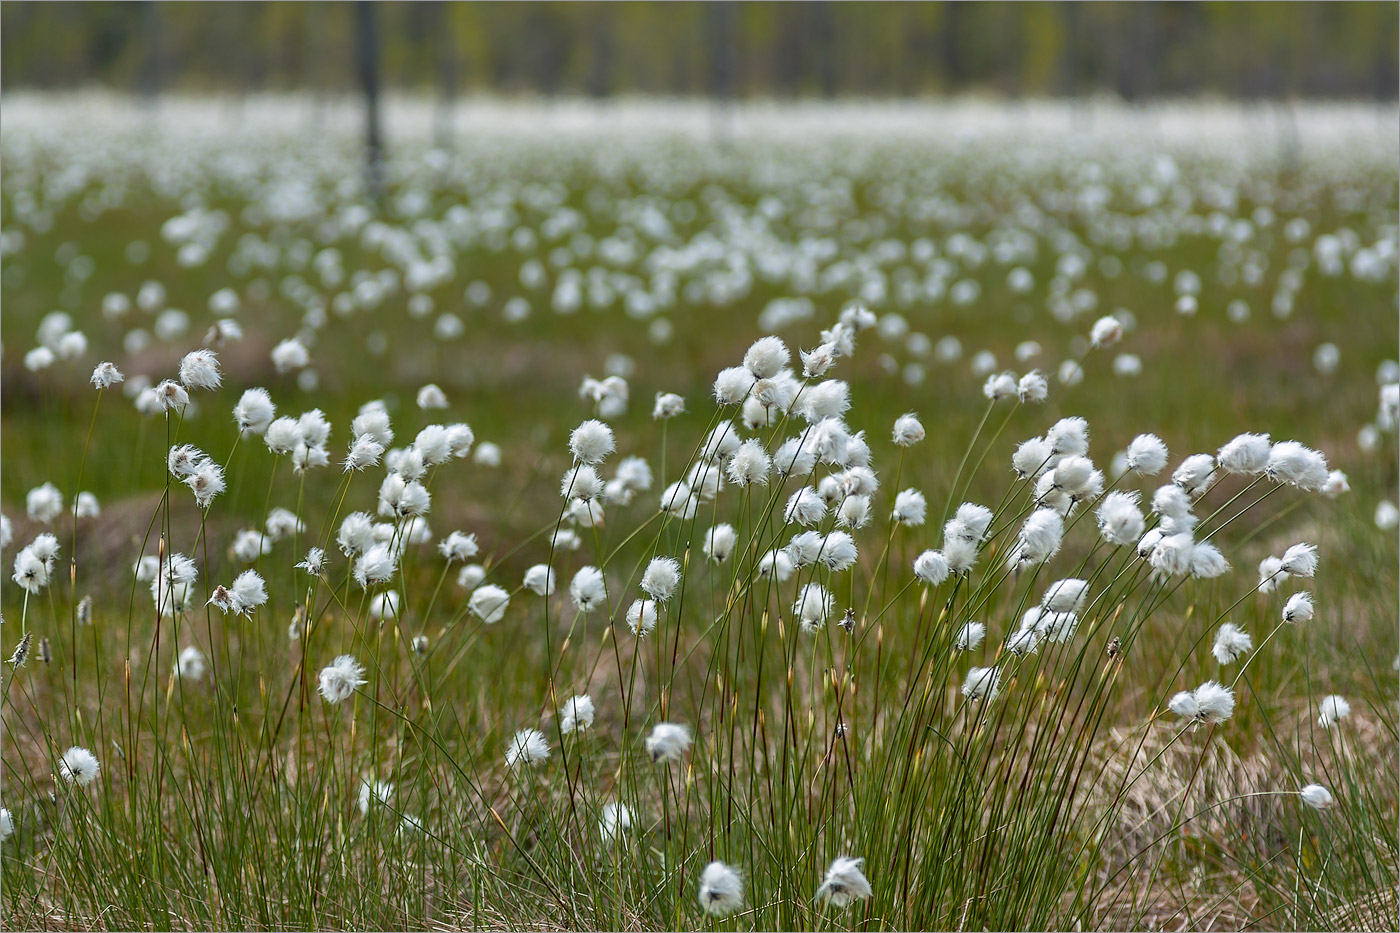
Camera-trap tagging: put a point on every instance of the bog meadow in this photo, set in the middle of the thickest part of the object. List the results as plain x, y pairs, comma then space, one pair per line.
661, 516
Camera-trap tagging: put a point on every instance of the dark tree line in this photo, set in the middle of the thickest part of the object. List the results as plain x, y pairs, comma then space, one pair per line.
724, 49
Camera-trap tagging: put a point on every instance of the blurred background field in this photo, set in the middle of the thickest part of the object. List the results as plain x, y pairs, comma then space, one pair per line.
641, 190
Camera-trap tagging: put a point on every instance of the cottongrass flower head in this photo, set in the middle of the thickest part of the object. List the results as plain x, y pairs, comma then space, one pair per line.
732, 385
591, 442
668, 405
1032, 387
1195, 474
1332, 710
614, 819
970, 636
641, 616
191, 664
7, 824
750, 464
1271, 574
1336, 485
766, 357
1231, 642
430, 397
1147, 455
526, 747
373, 792
314, 563
588, 589
488, 603
813, 606
576, 715
1317, 796
539, 579
721, 890
1247, 454
200, 370
79, 766
844, 883
668, 741
720, 541
1120, 521
1300, 560
43, 503
339, 679
999, 386
931, 567
581, 482
908, 430
981, 683
458, 547
1211, 702
1299, 608
910, 508
660, 579
1291, 462
106, 375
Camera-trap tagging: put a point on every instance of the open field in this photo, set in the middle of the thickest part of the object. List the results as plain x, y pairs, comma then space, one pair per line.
1193, 272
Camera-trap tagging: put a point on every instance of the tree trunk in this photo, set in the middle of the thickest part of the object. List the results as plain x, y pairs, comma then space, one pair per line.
367, 49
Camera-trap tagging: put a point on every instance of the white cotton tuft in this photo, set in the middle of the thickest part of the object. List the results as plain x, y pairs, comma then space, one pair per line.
981, 683
1332, 710
488, 603
1299, 608
970, 636
732, 385
910, 508
591, 442
1247, 454
1300, 560
1231, 642
721, 891
813, 606
931, 567
1195, 474
661, 577
1147, 455
668, 741
526, 747
844, 883
587, 589
766, 357
1120, 521
576, 715
907, 430
1317, 796
720, 541
642, 616
1291, 462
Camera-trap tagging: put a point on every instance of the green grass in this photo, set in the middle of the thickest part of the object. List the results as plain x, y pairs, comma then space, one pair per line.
1072, 800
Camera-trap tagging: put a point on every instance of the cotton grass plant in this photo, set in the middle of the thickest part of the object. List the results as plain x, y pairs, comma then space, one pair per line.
766, 650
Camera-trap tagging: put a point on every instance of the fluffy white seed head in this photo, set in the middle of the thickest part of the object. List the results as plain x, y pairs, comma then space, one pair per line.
908, 430
339, 679
79, 766
591, 442
668, 741
488, 603
981, 683
721, 891
1291, 462
766, 357
526, 747
1247, 454
1332, 710
910, 508
1147, 455
931, 567
844, 883
576, 715
660, 579
587, 589
1231, 643
1317, 796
